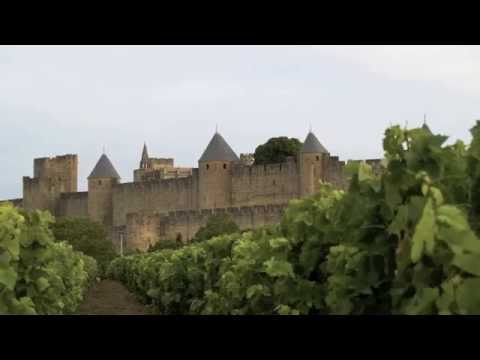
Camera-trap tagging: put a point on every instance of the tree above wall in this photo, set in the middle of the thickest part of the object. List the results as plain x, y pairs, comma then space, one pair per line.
276, 150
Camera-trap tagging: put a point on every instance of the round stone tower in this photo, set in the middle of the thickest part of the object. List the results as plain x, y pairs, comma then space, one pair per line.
313, 162
215, 174
100, 191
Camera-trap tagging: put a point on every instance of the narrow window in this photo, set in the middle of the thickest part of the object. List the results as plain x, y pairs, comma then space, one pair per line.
224, 166
208, 166
274, 182
318, 158
99, 182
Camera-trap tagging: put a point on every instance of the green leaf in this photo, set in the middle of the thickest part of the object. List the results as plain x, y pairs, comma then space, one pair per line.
253, 290
447, 299
455, 230
42, 284
468, 262
8, 277
437, 196
468, 296
365, 172
277, 243
415, 208
286, 310
392, 195
154, 293
451, 216
424, 236
423, 302
400, 221
278, 268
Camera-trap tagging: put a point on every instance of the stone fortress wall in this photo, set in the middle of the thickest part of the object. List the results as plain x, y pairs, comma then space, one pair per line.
168, 202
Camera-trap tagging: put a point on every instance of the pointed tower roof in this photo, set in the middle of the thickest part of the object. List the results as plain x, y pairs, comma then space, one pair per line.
425, 126
144, 152
104, 169
312, 145
218, 149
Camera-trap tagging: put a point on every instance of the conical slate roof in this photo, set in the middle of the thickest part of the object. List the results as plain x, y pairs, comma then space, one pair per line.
104, 169
218, 150
312, 145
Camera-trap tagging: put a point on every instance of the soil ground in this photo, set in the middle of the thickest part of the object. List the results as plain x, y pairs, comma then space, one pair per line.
110, 298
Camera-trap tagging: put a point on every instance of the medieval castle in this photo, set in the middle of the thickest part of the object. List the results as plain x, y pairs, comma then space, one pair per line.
169, 202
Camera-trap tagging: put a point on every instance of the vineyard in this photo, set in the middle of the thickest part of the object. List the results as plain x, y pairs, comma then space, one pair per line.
404, 240
37, 274
401, 242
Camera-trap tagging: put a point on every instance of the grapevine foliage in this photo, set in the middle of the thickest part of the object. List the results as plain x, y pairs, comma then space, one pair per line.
38, 275
404, 241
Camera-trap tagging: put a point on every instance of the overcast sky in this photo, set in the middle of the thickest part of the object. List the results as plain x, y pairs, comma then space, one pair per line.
76, 99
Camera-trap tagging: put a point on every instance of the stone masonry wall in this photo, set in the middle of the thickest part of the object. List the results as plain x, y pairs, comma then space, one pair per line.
145, 228
52, 176
264, 184
156, 196
73, 204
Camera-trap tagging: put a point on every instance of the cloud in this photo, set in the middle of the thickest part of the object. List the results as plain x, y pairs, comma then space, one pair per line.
455, 67
55, 100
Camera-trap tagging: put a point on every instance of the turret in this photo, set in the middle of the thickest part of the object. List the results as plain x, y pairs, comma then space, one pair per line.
100, 191
313, 162
215, 174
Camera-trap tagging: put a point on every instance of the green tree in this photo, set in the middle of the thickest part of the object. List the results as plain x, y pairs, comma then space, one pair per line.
86, 236
275, 150
218, 224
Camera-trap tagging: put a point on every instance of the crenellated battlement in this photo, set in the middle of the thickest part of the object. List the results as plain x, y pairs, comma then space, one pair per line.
52, 176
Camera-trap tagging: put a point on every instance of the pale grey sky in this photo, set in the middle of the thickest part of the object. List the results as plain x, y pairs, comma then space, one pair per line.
76, 99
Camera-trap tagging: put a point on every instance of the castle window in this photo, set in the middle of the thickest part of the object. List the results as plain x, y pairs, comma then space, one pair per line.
208, 166
224, 166
274, 183
99, 182
318, 158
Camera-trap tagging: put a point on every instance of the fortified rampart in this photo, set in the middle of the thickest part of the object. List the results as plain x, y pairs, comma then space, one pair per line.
156, 196
169, 202
73, 204
264, 184
145, 228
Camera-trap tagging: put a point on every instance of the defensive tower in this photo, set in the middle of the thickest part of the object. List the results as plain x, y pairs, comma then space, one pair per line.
215, 174
100, 191
313, 162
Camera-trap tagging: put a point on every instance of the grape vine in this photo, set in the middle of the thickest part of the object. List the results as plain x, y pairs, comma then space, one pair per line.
404, 241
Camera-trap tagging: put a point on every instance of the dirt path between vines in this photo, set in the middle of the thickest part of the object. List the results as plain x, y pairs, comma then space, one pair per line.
110, 298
